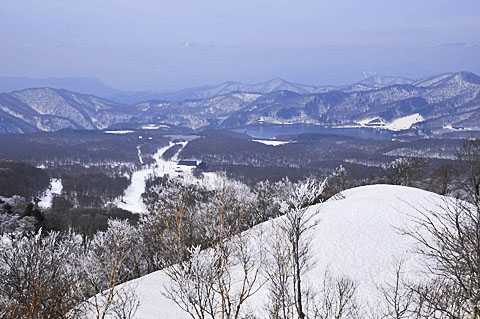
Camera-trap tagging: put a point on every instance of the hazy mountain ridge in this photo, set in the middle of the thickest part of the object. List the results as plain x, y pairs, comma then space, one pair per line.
47, 109
209, 91
447, 100
96, 87
273, 85
78, 84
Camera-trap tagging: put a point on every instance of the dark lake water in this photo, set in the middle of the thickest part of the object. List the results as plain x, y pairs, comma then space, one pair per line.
271, 131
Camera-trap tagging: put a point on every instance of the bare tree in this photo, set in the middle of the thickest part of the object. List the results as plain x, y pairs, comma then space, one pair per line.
442, 179
297, 224
449, 237
438, 299
279, 271
337, 299
214, 282
399, 297
339, 180
126, 303
468, 169
404, 171
38, 277
106, 266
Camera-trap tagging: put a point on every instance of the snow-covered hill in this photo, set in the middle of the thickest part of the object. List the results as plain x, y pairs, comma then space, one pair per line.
358, 235
47, 109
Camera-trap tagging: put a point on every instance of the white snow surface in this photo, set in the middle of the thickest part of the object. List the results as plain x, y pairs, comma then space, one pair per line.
271, 142
404, 123
119, 132
357, 236
132, 197
365, 121
55, 188
153, 126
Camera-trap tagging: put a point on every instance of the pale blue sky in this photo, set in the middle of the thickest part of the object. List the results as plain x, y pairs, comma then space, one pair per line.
161, 45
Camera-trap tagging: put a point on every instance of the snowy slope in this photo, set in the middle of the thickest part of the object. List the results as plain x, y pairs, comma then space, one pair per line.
357, 236
132, 200
132, 197
55, 188
404, 123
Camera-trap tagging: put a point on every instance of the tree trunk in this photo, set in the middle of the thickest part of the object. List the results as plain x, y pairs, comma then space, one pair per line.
298, 274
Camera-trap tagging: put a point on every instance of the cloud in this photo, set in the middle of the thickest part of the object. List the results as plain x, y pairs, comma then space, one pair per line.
452, 44
189, 44
234, 46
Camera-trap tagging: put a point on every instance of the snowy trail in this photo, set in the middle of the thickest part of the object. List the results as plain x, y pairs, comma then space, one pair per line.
132, 197
55, 188
140, 159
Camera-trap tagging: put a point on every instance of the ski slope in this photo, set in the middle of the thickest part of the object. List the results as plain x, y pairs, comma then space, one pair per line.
131, 199
358, 235
55, 188
398, 124
404, 123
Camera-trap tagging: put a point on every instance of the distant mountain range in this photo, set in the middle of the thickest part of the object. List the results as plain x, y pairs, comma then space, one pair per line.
94, 86
437, 104
91, 86
205, 92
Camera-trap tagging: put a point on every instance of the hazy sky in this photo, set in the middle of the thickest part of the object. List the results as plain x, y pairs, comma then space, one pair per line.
161, 45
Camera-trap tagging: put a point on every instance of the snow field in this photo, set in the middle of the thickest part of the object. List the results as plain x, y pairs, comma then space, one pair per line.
404, 123
399, 124
357, 236
119, 132
270, 142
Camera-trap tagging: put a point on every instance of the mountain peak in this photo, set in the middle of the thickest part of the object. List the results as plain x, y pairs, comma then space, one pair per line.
469, 77
442, 79
276, 80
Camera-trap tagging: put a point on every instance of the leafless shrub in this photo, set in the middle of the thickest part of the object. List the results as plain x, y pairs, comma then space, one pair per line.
337, 299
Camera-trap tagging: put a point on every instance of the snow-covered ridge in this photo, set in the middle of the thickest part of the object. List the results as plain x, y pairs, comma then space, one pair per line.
454, 96
357, 236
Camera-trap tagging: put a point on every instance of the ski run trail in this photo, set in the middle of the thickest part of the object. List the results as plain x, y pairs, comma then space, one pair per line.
132, 197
